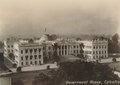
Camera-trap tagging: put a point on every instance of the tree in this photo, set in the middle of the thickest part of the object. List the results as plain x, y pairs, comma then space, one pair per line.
41, 79
114, 60
31, 41
82, 71
55, 54
18, 82
78, 38
113, 45
11, 56
115, 38
19, 69
52, 37
81, 55
48, 67
1, 45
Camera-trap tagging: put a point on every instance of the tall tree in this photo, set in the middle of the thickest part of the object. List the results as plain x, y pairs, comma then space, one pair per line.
115, 38
55, 54
81, 55
113, 45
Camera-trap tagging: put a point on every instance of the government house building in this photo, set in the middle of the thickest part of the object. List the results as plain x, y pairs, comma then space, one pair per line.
32, 52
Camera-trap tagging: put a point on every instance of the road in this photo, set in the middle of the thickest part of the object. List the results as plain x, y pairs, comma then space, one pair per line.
109, 60
35, 68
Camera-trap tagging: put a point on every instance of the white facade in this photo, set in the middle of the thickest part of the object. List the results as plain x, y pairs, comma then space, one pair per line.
68, 48
95, 49
27, 54
33, 53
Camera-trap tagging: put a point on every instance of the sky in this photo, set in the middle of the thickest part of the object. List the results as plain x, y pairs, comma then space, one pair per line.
65, 17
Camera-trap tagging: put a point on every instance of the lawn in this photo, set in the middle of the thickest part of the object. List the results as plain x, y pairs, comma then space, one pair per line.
115, 66
68, 58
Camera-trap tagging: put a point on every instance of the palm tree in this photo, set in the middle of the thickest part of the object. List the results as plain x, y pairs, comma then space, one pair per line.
44, 53
81, 50
55, 54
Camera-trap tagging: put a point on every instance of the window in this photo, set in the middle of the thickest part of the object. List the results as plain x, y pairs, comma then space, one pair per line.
26, 63
105, 55
74, 51
105, 46
105, 51
8, 50
99, 47
102, 46
12, 50
97, 57
40, 62
26, 50
99, 52
43, 48
44, 53
96, 52
77, 46
8, 46
21, 51
35, 50
31, 50
65, 52
12, 46
62, 52
74, 46
21, 58
59, 52
102, 52
39, 56
35, 62
65, 47
21, 63
94, 47
39, 50
26, 57
59, 47
35, 56
31, 57
62, 47
31, 62
93, 52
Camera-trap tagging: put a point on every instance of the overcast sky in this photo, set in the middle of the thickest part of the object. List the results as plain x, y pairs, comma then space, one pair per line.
30, 17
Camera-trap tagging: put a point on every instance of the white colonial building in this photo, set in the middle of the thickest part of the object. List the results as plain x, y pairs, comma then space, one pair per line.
8, 46
95, 49
28, 54
68, 48
32, 52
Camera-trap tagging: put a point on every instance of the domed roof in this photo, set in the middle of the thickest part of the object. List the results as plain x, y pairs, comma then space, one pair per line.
45, 37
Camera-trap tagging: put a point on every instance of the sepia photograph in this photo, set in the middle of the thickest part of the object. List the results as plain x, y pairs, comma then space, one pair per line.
59, 42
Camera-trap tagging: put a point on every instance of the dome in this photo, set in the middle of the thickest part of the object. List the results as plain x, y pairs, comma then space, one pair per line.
44, 38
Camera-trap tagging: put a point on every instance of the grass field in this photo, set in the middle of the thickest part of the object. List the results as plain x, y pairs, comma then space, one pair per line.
115, 66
